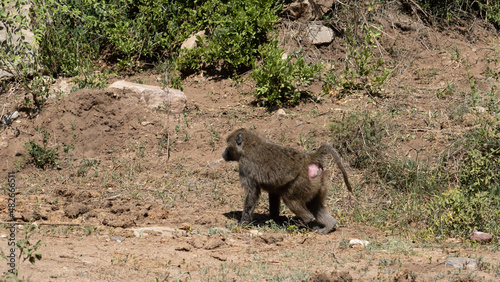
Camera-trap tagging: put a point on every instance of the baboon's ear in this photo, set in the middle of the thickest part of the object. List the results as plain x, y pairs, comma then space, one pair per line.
239, 139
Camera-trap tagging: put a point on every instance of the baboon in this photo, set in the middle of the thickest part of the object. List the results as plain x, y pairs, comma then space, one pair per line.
285, 173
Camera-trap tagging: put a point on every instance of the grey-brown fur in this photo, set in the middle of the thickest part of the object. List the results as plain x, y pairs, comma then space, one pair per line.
284, 173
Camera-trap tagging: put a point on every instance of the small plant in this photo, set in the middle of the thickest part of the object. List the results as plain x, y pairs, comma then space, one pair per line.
91, 79
458, 213
281, 81
363, 71
41, 155
29, 251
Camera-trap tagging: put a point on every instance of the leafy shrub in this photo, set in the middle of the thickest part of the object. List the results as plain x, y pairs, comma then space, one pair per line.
236, 29
458, 213
280, 80
72, 34
41, 156
480, 171
475, 202
20, 58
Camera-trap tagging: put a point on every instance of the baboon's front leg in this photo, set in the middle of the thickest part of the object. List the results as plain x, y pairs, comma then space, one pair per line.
252, 197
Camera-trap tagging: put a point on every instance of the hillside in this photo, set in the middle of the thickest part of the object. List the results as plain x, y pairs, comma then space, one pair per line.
122, 166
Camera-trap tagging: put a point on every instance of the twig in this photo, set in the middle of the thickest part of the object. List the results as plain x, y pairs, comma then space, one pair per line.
114, 197
214, 163
334, 256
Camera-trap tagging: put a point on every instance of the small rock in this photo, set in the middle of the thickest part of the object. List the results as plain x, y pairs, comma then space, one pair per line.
319, 34
4, 143
270, 238
62, 89
480, 109
118, 238
192, 41
118, 221
301, 10
156, 97
462, 263
280, 113
355, 242
481, 237
219, 257
8, 119
255, 232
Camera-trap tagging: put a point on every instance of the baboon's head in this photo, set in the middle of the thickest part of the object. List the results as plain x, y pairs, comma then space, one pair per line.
235, 142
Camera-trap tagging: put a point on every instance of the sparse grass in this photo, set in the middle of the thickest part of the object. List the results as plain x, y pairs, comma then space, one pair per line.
86, 165
358, 137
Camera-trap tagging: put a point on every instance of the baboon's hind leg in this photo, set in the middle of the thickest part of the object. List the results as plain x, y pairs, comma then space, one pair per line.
274, 206
299, 208
321, 214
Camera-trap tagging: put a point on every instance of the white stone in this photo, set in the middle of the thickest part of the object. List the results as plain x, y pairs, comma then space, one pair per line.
165, 231
255, 232
281, 113
319, 34
192, 41
156, 97
358, 242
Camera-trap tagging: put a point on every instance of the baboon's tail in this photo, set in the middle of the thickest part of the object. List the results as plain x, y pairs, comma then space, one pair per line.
326, 148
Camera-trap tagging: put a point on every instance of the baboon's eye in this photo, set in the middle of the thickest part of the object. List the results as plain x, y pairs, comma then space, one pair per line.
239, 139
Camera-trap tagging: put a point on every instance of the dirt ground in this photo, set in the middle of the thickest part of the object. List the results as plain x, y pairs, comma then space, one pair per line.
122, 166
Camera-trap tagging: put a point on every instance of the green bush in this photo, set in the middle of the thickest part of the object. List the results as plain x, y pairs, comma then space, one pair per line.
73, 32
280, 80
20, 57
475, 202
458, 213
236, 29
480, 170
